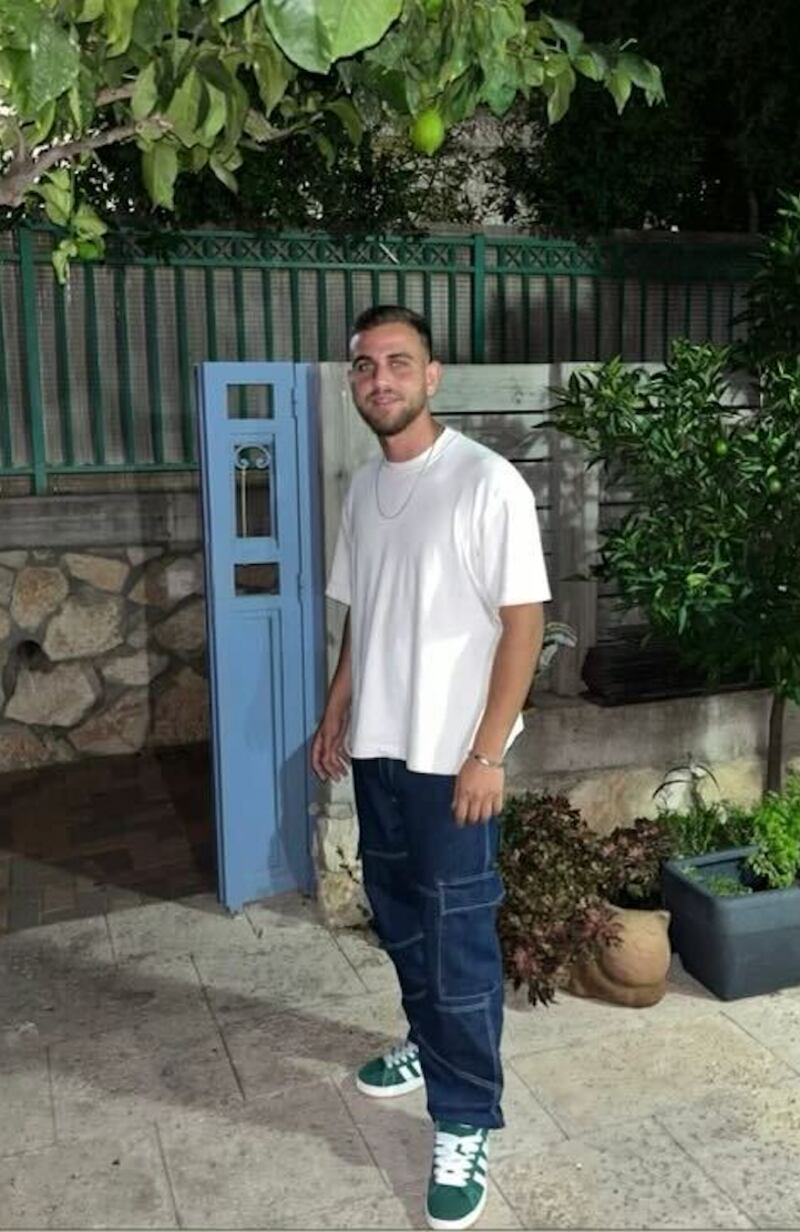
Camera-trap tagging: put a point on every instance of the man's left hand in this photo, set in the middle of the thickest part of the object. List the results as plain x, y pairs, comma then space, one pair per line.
478, 794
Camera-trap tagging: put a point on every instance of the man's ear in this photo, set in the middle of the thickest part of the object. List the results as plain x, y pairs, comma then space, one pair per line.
433, 375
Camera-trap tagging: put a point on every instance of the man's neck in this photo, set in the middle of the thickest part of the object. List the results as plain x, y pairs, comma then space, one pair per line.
413, 440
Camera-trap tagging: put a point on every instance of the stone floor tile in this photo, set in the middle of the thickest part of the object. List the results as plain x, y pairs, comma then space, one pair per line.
364, 953
283, 911
773, 1020
751, 1142
108, 1184
641, 1073
48, 995
275, 1051
631, 1176
289, 971
391, 1213
567, 1020
110, 1082
276, 1159
26, 1120
181, 928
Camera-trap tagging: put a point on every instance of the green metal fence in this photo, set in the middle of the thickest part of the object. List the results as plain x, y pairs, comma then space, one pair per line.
97, 377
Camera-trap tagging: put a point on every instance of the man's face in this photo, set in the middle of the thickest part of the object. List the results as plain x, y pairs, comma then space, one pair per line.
392, 376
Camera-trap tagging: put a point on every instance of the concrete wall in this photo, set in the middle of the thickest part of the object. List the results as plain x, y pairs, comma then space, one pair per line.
102, 626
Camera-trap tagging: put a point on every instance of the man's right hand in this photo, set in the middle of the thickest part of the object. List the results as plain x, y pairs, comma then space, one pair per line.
329, 757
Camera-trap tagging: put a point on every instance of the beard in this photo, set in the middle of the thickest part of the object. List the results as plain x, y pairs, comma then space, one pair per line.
391, 421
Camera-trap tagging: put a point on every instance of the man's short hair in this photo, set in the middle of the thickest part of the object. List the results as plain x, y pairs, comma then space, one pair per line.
391, 314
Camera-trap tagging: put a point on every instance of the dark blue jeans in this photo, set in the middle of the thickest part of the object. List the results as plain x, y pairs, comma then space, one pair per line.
434, 890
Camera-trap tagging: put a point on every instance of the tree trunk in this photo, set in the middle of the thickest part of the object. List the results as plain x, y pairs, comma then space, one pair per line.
775, 746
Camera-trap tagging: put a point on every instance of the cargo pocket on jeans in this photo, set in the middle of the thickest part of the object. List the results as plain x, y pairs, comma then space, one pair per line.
469, 961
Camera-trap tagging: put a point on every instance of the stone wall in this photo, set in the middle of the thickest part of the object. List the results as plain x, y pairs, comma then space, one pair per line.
103, 646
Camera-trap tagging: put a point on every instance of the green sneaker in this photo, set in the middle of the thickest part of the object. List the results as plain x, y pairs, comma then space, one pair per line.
457, 1188
395, 1073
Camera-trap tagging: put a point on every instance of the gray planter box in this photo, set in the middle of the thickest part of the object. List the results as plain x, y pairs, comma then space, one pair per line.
738, 946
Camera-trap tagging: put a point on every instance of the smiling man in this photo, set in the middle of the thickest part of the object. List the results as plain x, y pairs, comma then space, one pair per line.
439, 560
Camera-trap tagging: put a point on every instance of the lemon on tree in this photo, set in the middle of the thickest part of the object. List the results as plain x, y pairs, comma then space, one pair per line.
427, 131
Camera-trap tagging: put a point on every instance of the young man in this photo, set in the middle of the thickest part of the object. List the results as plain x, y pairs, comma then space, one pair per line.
439, 560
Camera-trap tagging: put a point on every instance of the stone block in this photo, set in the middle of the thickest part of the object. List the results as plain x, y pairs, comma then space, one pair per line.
102, 572
138, 668
59, 698
21, 749
122, 728
336, 842
6, 584
87, 625
38, 592
181, 712
341, 900
184, 632
13, 559
138, 556
5, 625
164, 583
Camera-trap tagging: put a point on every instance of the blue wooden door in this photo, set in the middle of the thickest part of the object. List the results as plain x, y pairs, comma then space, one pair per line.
264, 623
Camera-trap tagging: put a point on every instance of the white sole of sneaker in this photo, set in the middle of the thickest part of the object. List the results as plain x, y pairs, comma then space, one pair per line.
455, 1225
407, 1087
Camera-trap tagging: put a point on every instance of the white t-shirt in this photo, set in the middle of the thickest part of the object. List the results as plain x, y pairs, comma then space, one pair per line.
424, 588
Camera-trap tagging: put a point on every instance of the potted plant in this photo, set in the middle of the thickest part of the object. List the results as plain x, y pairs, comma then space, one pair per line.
708, 552
732, 892
564, 886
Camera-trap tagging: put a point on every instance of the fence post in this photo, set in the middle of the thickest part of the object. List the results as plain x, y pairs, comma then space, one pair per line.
478, 298
576, 502
32, 359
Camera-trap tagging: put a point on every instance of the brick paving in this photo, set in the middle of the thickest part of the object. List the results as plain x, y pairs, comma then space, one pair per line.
99, 835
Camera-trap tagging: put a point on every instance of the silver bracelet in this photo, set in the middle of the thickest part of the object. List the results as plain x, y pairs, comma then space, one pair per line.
487, 761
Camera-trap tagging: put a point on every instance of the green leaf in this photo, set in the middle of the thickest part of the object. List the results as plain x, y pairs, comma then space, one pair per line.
183, 110
42, 61
226, 9
145, 92
257, 126
559, 96
90, 10
273, 74
223, 174
216, 110
159, 171
588, 64
87, 224
62, 256
619, 86
641, 72
570, 35
55, 190
326, 148
120, 15
349, 117
315, 33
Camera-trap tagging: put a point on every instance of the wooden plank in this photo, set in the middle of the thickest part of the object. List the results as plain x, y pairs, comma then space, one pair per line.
493, 389
518, 437
576, 530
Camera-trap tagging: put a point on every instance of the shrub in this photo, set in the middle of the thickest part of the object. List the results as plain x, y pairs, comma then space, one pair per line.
559, 877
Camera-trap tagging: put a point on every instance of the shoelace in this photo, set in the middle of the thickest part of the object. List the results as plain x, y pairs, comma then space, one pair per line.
454, 1157
400, 1054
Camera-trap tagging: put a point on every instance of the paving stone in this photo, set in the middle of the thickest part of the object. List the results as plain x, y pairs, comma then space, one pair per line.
372, 963
276, 1051
235, 1167
773, 1020
107, 1184
110, 1082
631, 1176
180, 928
289, 971
27, 1118
642, 1073
751, 1142
567, 1020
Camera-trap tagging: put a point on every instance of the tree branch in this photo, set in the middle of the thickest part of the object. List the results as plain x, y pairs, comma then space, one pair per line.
21, 173
116, 94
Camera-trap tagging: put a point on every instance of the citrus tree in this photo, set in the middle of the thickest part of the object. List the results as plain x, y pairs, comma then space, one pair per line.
194, 83
709, 549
